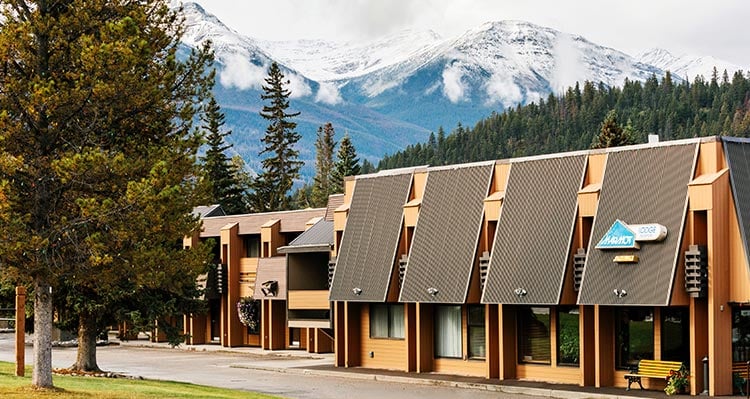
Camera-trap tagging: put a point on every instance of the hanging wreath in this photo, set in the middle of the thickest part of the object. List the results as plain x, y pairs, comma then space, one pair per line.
248, 310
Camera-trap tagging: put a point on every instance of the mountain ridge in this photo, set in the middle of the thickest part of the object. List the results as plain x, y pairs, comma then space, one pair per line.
390, 92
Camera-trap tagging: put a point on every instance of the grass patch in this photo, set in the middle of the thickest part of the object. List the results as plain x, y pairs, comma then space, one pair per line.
115, 388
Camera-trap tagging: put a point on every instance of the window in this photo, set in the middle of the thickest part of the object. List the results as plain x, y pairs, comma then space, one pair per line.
386, 321
476, 332
675, 335
740, 334
534, 335
448, 331
568, 338
252, 246
635, 336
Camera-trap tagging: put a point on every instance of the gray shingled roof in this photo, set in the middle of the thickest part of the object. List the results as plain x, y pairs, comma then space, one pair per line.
534, 232
640, 185
446, 235
737, 154
368, 247
271, 269
317, 238
208, 211
291, 221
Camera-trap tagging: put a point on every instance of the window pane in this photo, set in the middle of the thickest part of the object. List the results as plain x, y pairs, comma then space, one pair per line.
533, 335
675, 335
635, 336
379, 321
476, 331
740, 334
252, 246
568, 338
448, 331
396, 321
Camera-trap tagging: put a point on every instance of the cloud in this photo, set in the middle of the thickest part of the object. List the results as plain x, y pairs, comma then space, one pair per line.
567, 63
453, 86
501, 89
328, 93
298, 87
533, 97
239, 72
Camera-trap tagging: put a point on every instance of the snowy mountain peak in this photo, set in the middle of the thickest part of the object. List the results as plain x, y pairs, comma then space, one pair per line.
687, 66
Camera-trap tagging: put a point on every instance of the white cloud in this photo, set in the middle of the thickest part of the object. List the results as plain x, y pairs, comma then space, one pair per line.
328, 93
501, 89
453, 86
239, 72
297, 86
533, 97
567, 63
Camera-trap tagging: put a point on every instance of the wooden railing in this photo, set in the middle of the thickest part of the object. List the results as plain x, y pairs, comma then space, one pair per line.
308, 299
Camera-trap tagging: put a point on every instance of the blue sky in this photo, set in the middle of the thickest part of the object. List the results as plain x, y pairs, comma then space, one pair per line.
717, 28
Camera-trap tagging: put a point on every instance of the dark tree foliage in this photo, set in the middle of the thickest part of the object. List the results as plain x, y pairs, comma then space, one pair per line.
97, 163
611, 134
281, 166
570, 121
324, 148
347, 164
222, 174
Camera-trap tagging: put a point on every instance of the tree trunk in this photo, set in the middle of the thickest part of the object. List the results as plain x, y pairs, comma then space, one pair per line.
87, 333
42, 374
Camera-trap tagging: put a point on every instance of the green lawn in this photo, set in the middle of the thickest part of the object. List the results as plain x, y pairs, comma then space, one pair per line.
116, 388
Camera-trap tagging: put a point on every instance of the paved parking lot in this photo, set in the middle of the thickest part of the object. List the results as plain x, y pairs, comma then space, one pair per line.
297, 374
247, 371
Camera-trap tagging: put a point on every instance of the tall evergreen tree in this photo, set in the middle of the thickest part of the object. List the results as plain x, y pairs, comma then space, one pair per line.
281, 167
226, 190
97, 162
347, 164
611, 134
324, 148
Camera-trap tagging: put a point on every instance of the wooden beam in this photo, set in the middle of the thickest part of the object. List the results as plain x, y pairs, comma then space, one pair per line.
20, 330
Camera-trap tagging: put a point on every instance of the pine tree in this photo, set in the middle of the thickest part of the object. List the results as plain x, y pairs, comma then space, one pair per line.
324, 148
611, 134
97, 163
281, 167
347, 164
226, 190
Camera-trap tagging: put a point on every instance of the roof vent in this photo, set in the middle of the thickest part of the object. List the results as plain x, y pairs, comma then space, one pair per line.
432, 291
620, 293
520, 292
357, 291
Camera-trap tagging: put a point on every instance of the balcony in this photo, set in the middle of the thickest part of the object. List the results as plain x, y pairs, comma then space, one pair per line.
308, 299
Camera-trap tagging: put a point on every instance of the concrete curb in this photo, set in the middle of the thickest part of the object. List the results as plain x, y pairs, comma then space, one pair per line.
510, 389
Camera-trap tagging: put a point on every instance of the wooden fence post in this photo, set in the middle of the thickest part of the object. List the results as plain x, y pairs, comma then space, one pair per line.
20, 330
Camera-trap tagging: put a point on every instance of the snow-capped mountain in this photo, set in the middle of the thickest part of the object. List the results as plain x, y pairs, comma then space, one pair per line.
392, 92
687, 66
330, 61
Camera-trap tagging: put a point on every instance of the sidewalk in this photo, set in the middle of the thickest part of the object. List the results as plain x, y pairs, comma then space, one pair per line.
298, 362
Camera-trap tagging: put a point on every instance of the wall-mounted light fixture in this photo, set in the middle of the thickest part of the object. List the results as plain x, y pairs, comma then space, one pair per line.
432, 291
357, 291
620, 293
520, 292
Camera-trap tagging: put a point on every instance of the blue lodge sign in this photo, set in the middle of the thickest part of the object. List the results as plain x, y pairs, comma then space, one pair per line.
619, 236
623, 236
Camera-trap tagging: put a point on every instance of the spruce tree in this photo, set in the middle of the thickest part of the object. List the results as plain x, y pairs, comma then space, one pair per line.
280, 167
97, 163
324, 148
226, 190
347, 164
611, 134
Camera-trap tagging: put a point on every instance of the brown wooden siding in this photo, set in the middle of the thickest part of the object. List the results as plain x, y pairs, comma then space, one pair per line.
386, 353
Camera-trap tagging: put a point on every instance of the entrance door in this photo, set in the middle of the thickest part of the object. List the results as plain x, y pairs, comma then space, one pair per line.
214, 313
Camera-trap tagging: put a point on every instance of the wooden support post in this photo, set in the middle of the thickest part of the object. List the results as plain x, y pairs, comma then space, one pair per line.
20, 330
